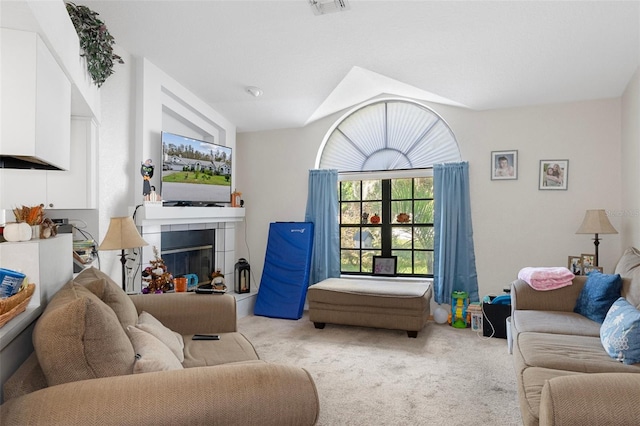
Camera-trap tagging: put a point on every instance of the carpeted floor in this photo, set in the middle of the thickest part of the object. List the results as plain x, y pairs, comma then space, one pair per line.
371, 377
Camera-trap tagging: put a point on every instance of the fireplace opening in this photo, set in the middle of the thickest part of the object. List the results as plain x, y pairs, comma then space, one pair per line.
189, 252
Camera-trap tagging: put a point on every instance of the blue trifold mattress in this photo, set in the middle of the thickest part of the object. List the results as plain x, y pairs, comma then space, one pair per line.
285, 276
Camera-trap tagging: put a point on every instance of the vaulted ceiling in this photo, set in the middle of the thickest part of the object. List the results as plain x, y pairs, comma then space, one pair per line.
473, 54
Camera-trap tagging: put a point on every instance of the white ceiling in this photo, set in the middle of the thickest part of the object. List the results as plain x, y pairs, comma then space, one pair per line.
476, 54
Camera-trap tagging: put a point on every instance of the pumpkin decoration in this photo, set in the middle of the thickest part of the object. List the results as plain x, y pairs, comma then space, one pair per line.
375, 219
403, 218
20, 231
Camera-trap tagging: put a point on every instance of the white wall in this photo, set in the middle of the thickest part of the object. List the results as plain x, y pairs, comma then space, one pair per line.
630, 213
116, 154
515, 224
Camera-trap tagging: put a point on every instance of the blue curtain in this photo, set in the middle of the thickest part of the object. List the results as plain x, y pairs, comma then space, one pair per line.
454, 255
322, 210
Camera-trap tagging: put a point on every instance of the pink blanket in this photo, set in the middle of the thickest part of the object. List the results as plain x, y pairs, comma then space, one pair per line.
546, 278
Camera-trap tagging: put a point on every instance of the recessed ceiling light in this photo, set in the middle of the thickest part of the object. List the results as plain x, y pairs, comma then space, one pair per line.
254, 91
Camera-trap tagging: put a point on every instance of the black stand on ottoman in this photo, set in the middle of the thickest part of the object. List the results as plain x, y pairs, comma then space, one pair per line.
395, 305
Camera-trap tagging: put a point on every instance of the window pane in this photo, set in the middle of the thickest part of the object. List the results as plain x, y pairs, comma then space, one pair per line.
350, 190
404, 262
371, 208
423, 237
372, 190
367, 260
423, 211
423, 262
401, 237
423, 187
350, 260
350, 213
401, 189
362, 238
401, 211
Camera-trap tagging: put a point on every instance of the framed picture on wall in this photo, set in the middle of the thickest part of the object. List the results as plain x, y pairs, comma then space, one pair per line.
386, 266
554, 174
504, 165
575, 265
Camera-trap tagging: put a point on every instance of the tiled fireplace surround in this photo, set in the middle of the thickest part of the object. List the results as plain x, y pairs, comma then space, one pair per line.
153, 220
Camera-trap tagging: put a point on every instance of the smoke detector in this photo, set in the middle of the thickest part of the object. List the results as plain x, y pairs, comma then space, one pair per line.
320, 7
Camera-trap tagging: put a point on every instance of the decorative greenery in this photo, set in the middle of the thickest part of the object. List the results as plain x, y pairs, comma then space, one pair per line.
96, 42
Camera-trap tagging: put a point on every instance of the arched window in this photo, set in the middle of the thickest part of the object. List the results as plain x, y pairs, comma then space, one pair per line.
385, 151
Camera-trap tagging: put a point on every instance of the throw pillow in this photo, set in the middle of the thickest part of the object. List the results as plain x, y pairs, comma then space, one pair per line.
110, 293
151, 353
620, 332
174, 341
598, 294
78, 337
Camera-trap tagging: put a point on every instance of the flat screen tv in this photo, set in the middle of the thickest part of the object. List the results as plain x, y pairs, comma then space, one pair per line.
194, 172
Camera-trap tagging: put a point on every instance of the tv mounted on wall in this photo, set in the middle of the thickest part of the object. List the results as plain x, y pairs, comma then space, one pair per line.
194, 172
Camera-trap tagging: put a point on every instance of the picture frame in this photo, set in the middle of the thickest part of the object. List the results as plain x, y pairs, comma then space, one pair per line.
554, 175
504, 165
574, 264
385, 266
587, 269
587, 261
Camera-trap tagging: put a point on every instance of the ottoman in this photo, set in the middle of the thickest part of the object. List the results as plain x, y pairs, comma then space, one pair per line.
395, 305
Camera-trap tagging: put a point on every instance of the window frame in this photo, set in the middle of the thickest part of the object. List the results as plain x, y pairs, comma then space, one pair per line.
386, 225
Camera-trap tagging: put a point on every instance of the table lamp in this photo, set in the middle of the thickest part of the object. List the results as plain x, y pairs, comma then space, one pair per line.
121, 235
596, 222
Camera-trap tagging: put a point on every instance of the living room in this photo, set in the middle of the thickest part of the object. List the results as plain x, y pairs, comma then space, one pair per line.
515, 223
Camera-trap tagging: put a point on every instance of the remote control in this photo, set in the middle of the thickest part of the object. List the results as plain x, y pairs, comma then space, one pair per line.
206, 337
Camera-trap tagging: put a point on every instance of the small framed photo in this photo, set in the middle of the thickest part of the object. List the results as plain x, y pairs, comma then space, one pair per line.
587, 261
554, 174
386, 266
587, 269
504, 165
575, 265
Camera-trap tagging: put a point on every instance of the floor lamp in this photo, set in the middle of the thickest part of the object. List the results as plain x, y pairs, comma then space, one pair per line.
122, 235
596, 222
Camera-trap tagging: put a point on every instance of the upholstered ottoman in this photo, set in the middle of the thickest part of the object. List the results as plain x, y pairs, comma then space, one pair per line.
395, 305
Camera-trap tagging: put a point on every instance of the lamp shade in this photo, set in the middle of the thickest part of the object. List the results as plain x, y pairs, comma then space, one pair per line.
122, 234
596, 222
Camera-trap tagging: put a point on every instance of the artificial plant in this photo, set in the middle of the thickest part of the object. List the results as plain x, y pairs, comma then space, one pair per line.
95, 41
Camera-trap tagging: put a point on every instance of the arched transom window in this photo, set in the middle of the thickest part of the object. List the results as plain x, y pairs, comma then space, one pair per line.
388, 134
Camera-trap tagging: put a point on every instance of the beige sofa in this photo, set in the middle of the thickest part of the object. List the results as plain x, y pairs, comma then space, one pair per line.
565, 376
95, 363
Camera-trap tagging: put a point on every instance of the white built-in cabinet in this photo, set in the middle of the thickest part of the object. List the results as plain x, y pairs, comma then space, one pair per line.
75, 188
37, 122
36, 100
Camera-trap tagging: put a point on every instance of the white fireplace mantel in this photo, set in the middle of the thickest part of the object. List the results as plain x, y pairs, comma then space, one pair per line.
149, 215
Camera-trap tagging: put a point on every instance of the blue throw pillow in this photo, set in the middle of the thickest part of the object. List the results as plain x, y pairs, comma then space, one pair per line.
620, 332
597, 295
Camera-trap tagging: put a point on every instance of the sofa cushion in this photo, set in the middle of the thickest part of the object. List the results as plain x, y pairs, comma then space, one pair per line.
173, 341
629, 269
151, 353
620, 332
110, 293
582, 354
79, 337
597, 295
555, 322
232, 347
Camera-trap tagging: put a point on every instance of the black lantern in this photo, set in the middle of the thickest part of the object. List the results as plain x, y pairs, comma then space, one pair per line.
242, 283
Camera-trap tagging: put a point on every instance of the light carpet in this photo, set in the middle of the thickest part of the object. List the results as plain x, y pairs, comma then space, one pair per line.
368, 376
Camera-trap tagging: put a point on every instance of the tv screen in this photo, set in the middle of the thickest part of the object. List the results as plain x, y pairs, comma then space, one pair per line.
194, 172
